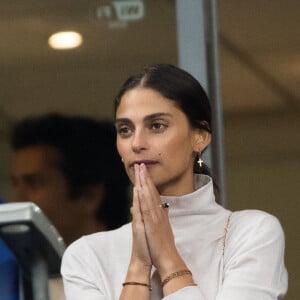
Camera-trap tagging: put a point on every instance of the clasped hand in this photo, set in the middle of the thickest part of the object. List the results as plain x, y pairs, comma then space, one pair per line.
153, 240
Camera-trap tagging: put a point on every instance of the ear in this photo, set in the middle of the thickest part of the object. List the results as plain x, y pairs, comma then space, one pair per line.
202, 140
91, 199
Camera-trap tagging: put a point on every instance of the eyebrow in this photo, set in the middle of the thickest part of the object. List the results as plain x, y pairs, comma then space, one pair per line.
26, 177
147, 118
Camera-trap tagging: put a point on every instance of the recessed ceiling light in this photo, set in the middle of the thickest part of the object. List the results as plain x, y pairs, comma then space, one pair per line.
65, 40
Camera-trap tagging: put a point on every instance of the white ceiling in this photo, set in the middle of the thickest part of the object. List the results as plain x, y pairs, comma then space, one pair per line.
259, 54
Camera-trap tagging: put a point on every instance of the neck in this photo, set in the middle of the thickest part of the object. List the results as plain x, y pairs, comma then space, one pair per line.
175, 189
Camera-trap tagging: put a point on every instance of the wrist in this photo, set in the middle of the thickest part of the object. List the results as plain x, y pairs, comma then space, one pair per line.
176, 281
138, 272
170, 266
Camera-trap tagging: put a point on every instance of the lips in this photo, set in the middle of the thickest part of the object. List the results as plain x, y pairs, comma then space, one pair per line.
146, 162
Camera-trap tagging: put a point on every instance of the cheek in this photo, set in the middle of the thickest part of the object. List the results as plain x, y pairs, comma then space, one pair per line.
178, 151
49, 208
130, 174
121, 147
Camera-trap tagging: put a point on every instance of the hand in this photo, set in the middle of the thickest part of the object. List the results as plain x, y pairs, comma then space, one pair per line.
140, 263
159, 235
140, 251
140, 256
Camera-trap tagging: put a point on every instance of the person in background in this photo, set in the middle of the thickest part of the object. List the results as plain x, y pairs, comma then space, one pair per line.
70, 168
181, 244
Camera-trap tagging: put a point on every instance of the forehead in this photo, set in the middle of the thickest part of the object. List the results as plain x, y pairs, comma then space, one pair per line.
144, 101
34, 158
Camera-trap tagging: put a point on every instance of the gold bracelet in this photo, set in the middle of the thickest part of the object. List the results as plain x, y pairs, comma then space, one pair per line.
174, 275
138, 283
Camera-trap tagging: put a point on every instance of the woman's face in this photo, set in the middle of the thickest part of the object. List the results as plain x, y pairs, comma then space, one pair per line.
153, 131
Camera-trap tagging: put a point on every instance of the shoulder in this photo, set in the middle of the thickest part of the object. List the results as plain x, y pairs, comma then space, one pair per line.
253, 221
94, 247
253, 257
254, 229
101, 240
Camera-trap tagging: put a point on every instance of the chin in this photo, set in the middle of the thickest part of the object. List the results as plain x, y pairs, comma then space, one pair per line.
157, 183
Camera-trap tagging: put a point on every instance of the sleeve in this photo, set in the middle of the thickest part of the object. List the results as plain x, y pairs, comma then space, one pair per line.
254, 259
78, 273
189, 292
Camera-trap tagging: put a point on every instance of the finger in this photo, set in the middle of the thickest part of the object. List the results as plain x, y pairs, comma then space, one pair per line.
149, 199
137, 181
135, 209
137, 219
139, 190
150, 188
144, 197
135, 200
155, 194
145, 194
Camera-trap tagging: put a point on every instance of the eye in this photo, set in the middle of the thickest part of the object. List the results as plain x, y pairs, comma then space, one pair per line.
124, 131
34, 182
158, 126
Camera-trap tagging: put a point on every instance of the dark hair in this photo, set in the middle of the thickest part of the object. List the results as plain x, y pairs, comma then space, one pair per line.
89, 157
180, 87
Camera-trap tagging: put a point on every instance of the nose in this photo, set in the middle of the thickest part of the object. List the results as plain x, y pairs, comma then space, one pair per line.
139, 141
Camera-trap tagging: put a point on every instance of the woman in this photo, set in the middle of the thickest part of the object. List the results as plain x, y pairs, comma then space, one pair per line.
181, 244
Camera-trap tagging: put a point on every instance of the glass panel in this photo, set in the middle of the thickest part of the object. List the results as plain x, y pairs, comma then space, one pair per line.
119, 37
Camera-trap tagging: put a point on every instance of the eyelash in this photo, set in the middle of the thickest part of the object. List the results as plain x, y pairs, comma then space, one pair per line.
123, 130
155, 126
161, 127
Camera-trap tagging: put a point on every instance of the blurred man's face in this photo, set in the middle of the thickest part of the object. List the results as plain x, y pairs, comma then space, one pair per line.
37, 178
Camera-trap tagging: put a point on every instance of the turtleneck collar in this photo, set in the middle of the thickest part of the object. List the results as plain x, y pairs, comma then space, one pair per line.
199, 202
197, 214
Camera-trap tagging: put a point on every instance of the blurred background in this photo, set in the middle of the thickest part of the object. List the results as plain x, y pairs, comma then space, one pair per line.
259, 45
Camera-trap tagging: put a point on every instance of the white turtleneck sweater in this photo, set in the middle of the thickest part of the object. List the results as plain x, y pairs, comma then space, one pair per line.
247, 263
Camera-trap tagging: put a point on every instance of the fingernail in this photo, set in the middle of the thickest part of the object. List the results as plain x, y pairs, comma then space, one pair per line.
143, 167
